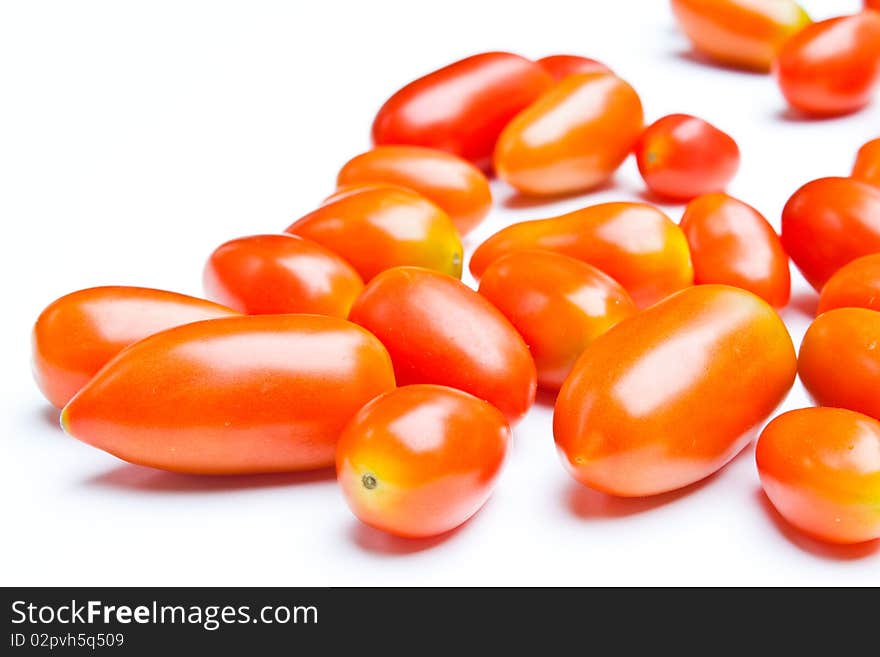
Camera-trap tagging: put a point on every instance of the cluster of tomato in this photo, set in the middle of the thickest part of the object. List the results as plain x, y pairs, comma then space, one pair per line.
350, 339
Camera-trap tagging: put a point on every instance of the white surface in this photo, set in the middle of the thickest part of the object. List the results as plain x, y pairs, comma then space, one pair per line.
135, 137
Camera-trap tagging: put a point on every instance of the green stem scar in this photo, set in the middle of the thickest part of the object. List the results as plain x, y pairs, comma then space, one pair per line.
369, 481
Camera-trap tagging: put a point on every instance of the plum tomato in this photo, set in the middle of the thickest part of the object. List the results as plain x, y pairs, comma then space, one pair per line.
376, 226
867, 164
572, 138
558, 304
831, 67
855, 285
240, 395
670, 395
682, 156
76, 335
420, 460
820, 467
839, 360
733, 244
634, 243
453, 184
741, 33
829, 222
561, 66
463, 107
276, 274
438, 330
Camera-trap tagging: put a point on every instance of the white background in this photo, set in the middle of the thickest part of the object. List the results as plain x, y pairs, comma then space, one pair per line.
137, 136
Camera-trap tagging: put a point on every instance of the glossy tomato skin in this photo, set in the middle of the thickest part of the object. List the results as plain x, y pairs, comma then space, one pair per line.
829, 222
867, 165
375, 227
733, 244
634, 243
669, 396
561, 66
833, 66
277, 274
571, 139
77, 334
453, 184
422, 459
855, 285
839, 360
819, 467
241, 395
558, 304
740, 33
440, 331
682, 156
463, 107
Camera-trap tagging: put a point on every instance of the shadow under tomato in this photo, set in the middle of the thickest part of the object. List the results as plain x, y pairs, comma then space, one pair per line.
651, 197
378, 542
589, 504
546, 398
693, 57
148, 480
811, 545
517, 201
802, 303
793, 115
50, 416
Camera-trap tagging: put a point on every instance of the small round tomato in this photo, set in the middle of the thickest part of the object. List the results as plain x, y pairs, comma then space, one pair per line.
669, 396
634, 243
275, 274
240, 395
376, 227
420, 460
732, 243
741, 33
831, 67
438, 330
681, 156
76, 335
453, 184
855, 285
558, 304
829, 222
571, 139
820, 467
463, 107
839, 360
867, 165
561, 66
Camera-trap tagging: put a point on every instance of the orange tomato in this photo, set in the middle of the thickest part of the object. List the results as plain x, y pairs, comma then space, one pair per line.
681, 156
829, 222
265, 393
572, 138
831, 67
669, 396
420, 460
453, 184
855, 285
820, 467
634, 243
839, 360
269, 274
741, 33
558, 304
438, 330
463, 107
867, 165
76, 335
732, 243
561, 66
376, 227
